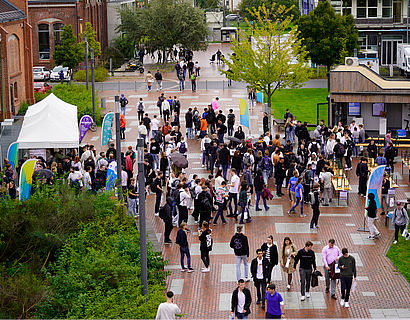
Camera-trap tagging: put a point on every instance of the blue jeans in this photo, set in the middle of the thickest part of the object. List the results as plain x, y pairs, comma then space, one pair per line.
203, 133
181, 85
156, 161
265, 176
221, 138
203, 157
241, 316
234, 197
220, 213
238, 260
298, 200
185, 251
258, 196
190, 132
132, 207
224, 170
123, 109
243, 209
356, 149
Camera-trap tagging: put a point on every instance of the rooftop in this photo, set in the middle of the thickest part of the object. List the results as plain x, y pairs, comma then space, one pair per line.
9, 12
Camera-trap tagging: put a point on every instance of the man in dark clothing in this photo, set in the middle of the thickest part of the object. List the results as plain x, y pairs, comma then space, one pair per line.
280, 174
298, 130
315, 207
158, 79
265, 122
240, 308
161, 99
223, 158
307, 182
189, 124
100, 178
221, 131
389, 154
147, 123
239, 243
177, 134
221, 116
304, 133
231, 122
339, 152
362, 172
205, 205
287, 115
260, 273
165, 213
307, 259
156, 187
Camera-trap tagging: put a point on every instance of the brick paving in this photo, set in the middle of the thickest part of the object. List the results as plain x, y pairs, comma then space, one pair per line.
207, 295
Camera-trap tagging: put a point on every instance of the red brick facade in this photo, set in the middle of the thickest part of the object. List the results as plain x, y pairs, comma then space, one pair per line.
48, 16
16, 63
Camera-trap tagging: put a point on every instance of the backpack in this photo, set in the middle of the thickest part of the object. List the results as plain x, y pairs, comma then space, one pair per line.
246, 159
181, 76
182, 147
158, 137
140, 107
231, 118
266, 164
313, 147
205, 203
162, 213
123, 102
175, 183
341, 150
312, 198
193, 77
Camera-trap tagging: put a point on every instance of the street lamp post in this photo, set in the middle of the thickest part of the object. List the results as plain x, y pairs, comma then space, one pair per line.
86, 60
141, 212
118, 146
93, 83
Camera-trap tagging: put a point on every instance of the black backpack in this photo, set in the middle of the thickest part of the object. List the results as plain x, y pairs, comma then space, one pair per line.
231, 118
140, 106
314, 148
341, 150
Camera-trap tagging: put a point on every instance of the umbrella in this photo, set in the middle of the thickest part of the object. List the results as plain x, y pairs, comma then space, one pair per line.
43, 173
233, 139
179, 160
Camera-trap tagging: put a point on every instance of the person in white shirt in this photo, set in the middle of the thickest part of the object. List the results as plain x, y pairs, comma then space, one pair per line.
168, 310
184, 195
326, 178
166, 109
197, 68
87, 153
142, 130
331, 142
154, 125
233, 193
87, 178
205, 142
267, 138
182, 147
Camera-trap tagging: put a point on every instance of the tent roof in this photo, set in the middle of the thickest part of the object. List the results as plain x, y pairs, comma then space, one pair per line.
50, 123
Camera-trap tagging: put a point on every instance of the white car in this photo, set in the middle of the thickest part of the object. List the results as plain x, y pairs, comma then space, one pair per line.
55, 73
41, 74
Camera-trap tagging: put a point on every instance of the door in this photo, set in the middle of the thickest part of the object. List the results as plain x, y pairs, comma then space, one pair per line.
396, 11
389, 52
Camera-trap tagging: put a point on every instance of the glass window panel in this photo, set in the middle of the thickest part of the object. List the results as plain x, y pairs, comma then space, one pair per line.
361, 12
347, 11
347, 3
361, 3
372, 12
387, 3
386, 12
372, 3
372, 39
44, 41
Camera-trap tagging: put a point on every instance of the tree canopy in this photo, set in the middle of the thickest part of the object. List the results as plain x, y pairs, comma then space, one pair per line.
92, 42
164, 24
245, 7
263, 59
329, 37
68, 52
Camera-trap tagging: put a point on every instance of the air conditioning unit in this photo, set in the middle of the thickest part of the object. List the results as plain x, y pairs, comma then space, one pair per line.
352, 61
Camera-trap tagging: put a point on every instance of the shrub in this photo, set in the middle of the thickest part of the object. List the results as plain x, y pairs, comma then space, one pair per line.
38, 96
100, 75
23, 108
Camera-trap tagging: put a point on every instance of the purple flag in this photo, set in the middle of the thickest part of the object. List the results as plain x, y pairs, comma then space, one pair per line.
85, 124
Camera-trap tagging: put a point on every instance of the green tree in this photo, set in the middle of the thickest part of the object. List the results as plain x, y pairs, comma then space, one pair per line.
92, 42
263, 59
329, 37
68, 53
245, 7
164, 24
208, 4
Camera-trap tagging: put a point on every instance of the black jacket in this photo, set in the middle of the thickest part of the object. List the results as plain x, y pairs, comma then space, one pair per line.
265, 268
280, 170
239, 243
182, 239
361, 170
248, 301
258, 183
371, 209
165, 213
223, 156
188, 119
307, 259
274, 258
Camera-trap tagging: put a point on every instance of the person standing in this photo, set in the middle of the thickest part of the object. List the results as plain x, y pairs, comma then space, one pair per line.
243, 203
193, 82
140, 109
165, 213
299, 198
280, 174
168, 310
230, 122
274, 302
287, 259
400, 221
270, 252
156, 188
132, 199
233, 193
362, 172
205, 237
221, 194
265, 122
181, 79
330, 254
122, 127
326, 178
385, 194
123, 104
158, 79
241, 301
371, 216
239, 243
182, 241
347, 266
149, 79
259, 185
315, 202
259, 272
307, 259
189, 124
184, 195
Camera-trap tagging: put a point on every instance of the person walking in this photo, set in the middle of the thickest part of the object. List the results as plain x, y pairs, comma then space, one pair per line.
165, 213
149, 79
168, 310
347, 266
315, 202
193, 82
259, 272
156, 187
299, 198
182, 241
287, 259
122, 127
205, 238
259, 185
140, 109
132, 199
181, 79
330, 255
241, 301
400, 221
158, 80
243, 203
189, 124
274, 303
221, 194
307, 259
123, 104
239, 243
233, 193
371, 210
270, 252
230, 122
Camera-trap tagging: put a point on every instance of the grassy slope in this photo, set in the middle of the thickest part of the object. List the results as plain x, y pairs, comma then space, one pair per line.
399, 254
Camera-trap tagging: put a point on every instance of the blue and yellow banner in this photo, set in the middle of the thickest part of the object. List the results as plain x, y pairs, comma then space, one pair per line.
111, 175
244, 113
259, 96
12, 154
26, 181
106, 132
375, 185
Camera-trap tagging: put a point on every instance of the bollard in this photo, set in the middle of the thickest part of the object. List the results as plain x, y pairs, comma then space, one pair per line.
119, 87
135, 85
206, 84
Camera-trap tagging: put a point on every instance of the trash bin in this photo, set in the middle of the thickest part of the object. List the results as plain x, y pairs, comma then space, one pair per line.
103, 103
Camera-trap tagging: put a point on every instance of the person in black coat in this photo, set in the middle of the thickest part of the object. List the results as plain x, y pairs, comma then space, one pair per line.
259, 271
362, 172
270, 252
238, 310
280, 174
165, 213
372, 150
265, 123
389, 154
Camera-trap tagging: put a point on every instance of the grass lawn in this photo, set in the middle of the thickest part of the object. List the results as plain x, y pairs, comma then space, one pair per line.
301, 103
399, 254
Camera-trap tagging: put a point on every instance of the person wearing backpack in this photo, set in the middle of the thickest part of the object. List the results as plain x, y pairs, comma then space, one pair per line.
239, 243
123, 104
231, 122
193, 81
205, 238
339, 152
400, 221
182, 147
165, 213
266, 166
140, 109
181, 79
315, 202
205, 205
314, 147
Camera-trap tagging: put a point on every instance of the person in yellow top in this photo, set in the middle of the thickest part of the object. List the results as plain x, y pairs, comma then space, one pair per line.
149, 79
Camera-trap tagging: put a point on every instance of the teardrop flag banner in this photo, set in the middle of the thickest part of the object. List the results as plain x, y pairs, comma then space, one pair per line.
111, 175
244, 113
26, 175
85, 123
12, 154
106, 131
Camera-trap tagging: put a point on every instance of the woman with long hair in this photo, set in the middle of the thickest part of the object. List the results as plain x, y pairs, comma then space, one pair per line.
287, 259
270, 252
205, 237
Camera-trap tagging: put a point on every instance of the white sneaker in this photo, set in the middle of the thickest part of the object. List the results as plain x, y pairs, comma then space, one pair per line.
247, 279
346, 304
307, 294
206, 270
302, 298
156, 214
342, 302
203, 166
394, 242
288, 286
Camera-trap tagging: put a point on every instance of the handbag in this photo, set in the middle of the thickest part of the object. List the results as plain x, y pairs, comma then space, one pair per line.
287, 263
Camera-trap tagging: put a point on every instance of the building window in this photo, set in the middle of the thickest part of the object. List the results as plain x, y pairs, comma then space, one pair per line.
387, 8
58, 30
43, 41
13, 54
366, 9
15, 91
347, 7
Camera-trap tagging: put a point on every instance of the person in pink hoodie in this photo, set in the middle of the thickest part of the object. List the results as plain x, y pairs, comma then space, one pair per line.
215, 103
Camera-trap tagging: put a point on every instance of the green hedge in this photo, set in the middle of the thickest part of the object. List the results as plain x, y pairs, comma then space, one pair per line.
100, 75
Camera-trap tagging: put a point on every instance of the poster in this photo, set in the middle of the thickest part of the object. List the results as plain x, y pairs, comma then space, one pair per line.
354, 109
377, 108
85, 124
37, 153
106, 131
382, 126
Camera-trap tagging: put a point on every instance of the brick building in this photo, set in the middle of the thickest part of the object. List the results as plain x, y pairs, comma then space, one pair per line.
16, 62
47, 18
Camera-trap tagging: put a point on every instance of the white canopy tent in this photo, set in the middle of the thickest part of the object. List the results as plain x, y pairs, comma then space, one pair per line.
50, 123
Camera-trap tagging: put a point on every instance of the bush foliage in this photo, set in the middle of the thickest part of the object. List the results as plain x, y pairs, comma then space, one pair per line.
68, 255
100, 75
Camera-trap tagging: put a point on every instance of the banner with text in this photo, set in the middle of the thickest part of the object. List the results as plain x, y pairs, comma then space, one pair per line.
85, 123
106, 131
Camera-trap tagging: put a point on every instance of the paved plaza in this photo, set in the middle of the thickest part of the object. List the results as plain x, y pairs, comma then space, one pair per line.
382, 292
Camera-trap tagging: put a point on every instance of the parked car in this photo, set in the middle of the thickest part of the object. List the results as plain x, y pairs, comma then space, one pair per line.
55, 73
41, 74
232, 16
42, 87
